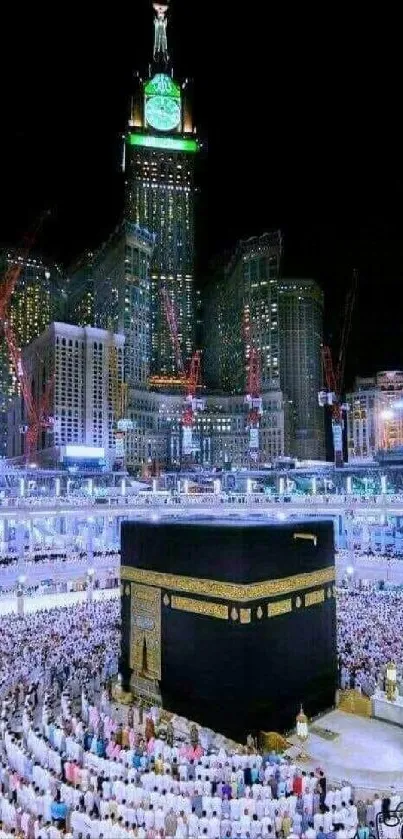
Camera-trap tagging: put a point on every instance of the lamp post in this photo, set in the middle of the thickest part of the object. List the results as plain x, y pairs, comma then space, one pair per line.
90, 584
20, 594
302, 730
391, 681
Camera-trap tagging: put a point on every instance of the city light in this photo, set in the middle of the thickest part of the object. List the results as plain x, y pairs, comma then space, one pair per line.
387, 414
84, 452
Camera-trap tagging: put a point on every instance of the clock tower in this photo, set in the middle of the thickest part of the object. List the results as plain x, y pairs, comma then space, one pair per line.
160, 151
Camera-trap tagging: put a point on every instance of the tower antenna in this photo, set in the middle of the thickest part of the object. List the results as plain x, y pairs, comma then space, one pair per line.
160, 33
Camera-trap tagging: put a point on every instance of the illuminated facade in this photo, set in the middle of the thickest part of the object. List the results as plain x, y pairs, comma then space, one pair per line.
375, 415
81, 405
121, 279
121, 276
301, 337
35, 303
241, 312
220, 435
79, 302
159, 160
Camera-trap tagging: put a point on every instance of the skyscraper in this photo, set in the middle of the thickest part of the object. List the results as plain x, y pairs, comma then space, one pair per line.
121, 282
79, 302
160, 151
35, 303
301, 337
120, 271
241, 313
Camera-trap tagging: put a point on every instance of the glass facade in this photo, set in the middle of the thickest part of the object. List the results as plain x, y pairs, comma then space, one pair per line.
159, 197
122, 297
241, 310
301, 338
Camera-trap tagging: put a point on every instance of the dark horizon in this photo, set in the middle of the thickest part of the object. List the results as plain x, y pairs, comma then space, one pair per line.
300, 137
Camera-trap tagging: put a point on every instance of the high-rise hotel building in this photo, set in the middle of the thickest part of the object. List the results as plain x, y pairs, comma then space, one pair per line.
159, 161
241, 314
301, 338
36, 301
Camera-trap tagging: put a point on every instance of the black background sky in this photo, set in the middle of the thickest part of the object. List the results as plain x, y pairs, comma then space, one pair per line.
301, 110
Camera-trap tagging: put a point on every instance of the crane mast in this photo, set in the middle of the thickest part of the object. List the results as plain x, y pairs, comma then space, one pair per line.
191, 378
334, 375
253, 400
118, 397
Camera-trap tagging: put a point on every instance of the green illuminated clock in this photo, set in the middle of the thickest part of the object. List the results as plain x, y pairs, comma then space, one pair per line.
163, 112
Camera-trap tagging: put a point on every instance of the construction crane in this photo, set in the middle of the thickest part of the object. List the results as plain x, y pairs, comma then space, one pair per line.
39, 420
192, 403
173, 330
191, 378
37, 411
118, 397
253, 397
254, 401
13, 271
334, 375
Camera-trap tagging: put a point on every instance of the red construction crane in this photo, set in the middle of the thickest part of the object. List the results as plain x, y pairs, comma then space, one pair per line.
192, 383
36, 412
39, 420
173, 330
191, 377
13, 271
254, 401
334, 375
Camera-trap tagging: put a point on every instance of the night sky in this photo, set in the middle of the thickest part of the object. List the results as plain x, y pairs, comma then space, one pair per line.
301, 117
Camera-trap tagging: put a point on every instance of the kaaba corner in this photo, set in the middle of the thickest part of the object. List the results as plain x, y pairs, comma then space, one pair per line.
231, 622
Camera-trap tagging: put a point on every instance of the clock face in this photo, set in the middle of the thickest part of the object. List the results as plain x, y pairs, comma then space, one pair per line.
163, 112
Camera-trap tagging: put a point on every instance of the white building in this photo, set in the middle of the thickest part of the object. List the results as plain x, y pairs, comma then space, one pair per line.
220, 434
85, 363
375, 415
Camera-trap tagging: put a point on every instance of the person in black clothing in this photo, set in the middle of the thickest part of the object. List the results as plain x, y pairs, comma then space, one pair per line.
247, 775
322, 787
385, 809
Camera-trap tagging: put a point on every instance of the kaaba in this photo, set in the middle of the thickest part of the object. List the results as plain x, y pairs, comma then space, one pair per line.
233, 621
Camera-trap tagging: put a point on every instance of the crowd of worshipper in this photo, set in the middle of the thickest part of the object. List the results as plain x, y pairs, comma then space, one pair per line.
74, 642
75, 766
369, 635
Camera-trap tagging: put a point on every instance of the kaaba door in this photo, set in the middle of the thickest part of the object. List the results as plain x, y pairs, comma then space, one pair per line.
145, 646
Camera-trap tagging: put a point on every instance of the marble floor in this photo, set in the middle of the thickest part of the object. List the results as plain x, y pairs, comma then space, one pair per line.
367, 752
8, 603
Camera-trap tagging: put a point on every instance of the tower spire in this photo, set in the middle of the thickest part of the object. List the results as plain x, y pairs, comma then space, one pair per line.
160, 54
